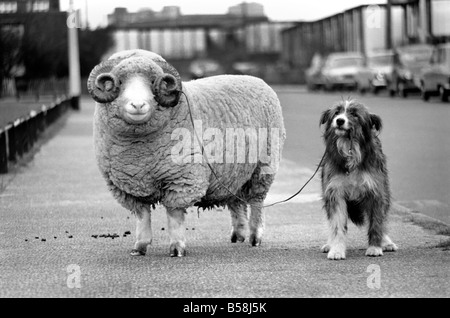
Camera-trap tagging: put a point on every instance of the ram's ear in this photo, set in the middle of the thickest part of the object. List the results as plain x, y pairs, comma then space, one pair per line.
325, 117
166, 90
376, 122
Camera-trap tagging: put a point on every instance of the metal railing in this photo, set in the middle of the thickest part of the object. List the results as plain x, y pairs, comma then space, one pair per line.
18, 137
33, 88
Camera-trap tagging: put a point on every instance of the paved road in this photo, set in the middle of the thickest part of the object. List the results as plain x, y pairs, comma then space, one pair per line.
415, 139
61, 198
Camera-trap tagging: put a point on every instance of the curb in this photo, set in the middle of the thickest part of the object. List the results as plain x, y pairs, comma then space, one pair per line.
422, 220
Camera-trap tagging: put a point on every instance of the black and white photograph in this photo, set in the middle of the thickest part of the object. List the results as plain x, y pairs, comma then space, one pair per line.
224, 157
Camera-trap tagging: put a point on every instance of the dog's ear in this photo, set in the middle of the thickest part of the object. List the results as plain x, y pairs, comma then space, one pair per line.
376, 122
325, 117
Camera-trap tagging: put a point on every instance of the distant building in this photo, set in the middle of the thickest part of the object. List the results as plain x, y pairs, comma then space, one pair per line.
28, 6
247, 9
32, 19
365, 29
169, 12
122, 18
119, 17
178, 36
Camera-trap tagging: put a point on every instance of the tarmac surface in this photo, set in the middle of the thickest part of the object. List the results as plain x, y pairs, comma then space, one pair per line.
61, 198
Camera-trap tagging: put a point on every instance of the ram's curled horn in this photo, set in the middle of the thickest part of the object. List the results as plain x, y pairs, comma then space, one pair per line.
167, 88
103, 85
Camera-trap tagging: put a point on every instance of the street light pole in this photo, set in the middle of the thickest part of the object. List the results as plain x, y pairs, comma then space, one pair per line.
87, 15
389, 25
423, 18
74, 59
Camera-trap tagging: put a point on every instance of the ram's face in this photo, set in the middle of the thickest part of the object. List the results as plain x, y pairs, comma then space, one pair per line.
136, 110
136, 94
136, 101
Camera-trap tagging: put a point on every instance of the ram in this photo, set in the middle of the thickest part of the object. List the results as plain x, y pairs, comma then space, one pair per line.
142, 105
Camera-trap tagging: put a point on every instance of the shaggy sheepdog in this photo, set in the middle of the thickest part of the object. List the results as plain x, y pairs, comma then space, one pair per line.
355, 180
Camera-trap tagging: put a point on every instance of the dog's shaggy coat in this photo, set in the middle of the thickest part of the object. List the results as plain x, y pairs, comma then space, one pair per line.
355, 181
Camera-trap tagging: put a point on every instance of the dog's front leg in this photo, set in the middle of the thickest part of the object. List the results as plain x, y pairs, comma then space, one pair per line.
336, 209
376, 230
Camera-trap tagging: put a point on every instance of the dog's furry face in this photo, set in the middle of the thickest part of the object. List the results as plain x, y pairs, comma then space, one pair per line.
350, 131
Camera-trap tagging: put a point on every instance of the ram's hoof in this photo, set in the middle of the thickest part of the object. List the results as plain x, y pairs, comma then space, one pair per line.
177, 250
137, 253
236, 237
255, 241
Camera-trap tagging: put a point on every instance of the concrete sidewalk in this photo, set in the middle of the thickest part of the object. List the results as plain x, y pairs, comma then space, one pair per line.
52, 208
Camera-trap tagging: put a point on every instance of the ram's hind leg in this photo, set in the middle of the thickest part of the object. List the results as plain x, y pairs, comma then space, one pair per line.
257, 223
239, 221
261, 181
143, 232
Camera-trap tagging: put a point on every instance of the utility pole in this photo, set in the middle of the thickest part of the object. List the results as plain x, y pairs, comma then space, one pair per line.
389, 25
423, 21
87, 15
74, 57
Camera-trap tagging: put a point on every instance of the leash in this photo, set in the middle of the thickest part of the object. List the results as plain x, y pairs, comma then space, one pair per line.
225, 187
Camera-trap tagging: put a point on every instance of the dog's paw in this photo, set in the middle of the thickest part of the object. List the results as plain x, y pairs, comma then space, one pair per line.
336, 253
325, 248
374, 251
390, 248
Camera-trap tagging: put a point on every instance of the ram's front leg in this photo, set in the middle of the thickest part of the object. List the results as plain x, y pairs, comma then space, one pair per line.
175, 218
143, 232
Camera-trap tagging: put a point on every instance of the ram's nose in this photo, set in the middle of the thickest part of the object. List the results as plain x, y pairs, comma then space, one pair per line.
137, 107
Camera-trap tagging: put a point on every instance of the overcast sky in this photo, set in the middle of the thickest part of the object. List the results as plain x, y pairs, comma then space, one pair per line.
278, 10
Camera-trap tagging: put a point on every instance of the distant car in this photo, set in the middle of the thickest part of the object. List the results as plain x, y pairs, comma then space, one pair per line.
313, 75
375, 75
204, 68
408, 63
246, 68
435, 79
340, 69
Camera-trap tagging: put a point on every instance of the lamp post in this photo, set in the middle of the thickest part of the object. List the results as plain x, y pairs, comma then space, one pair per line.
74, 58
389, 25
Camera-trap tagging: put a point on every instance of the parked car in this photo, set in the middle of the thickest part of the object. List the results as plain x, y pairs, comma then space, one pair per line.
435, 79
375, 75
313, 75
408, 63
246, 68
340, 69
204, 68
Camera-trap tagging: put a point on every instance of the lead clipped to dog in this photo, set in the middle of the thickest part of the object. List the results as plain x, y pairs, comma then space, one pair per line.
355, 182
141, 102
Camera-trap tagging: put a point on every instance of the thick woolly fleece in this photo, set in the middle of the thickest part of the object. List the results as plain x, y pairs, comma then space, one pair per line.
136, 160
